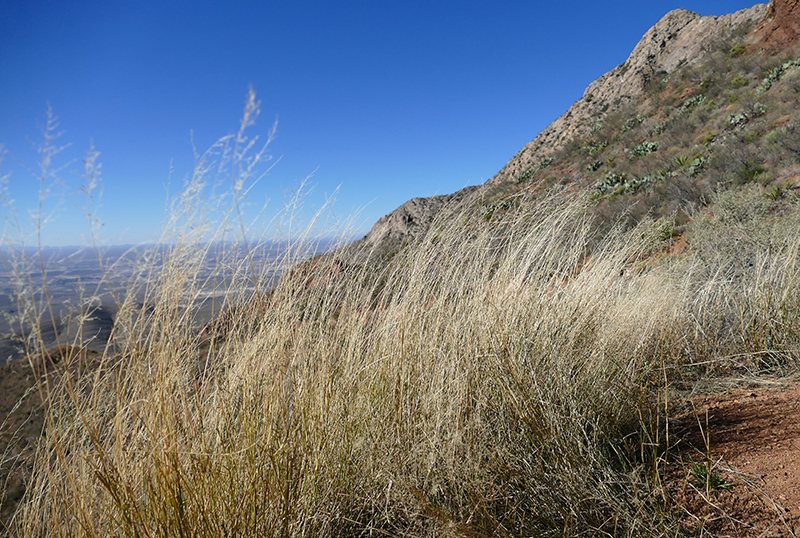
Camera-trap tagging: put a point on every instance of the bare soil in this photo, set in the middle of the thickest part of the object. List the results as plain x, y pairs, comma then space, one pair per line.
748, 435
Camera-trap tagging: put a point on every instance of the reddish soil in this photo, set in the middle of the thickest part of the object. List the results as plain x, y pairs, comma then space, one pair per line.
781, 25
750, 436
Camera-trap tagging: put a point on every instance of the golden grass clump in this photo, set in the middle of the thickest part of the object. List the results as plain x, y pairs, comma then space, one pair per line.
502, 378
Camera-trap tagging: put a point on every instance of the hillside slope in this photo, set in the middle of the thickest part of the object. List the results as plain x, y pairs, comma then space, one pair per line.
680, 38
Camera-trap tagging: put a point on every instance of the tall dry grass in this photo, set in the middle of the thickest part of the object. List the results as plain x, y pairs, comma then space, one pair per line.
500, 378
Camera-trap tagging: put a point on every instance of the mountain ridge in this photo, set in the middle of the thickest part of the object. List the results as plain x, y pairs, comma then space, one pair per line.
679, 37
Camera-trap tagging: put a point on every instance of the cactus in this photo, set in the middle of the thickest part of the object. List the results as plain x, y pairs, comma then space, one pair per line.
547, 161
631, 123
735, 120
645, 148
595, 129
776, 74
594, 166
544, 163
759, 109
697, 164
621, 183
597, 148
691, 103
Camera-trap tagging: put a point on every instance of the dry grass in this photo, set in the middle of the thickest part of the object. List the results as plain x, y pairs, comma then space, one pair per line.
500, 378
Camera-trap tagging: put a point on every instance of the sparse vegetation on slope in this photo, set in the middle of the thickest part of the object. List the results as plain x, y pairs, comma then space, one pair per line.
723, 121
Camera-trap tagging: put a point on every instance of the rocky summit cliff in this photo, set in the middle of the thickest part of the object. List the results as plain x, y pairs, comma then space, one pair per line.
679, 39
780, 26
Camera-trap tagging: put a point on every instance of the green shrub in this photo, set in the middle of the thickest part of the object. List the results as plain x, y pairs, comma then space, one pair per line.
739, 81
777, 191
737, 50
749, 172
704, 476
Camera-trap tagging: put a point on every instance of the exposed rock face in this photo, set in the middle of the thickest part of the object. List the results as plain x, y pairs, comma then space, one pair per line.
409, 220
781, 25
680, 36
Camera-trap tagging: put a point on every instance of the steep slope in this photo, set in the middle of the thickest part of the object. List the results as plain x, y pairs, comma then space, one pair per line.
680, 37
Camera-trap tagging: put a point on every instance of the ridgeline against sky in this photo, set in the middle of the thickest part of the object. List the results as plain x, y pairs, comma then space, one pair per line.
384, 102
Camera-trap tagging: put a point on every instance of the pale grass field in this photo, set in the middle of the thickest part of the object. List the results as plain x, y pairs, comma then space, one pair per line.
502, 378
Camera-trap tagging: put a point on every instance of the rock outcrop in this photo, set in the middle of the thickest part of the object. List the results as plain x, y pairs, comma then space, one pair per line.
781, 25
680, 36
409, 220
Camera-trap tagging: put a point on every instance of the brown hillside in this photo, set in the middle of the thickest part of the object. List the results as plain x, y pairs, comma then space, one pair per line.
781, 25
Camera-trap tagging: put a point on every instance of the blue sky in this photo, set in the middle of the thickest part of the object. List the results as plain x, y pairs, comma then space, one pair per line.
381, 100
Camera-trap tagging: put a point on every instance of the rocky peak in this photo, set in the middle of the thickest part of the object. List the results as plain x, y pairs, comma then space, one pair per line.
780, 27
680, 36
409, 220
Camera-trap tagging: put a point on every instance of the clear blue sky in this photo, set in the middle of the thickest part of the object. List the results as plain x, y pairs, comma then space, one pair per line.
385, 100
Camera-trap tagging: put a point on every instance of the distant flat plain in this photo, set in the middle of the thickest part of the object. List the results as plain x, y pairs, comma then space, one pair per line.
77, 282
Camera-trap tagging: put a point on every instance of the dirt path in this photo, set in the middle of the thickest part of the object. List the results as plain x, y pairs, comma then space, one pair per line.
749, 437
